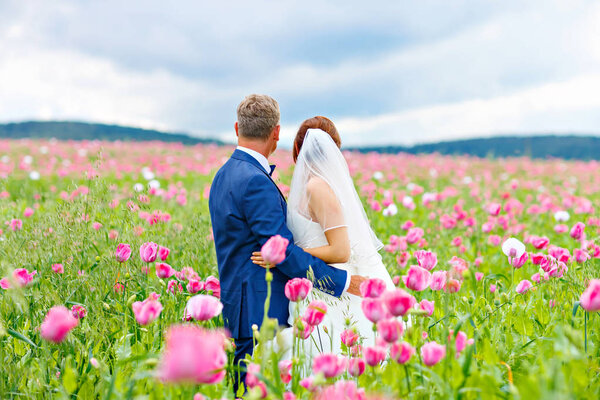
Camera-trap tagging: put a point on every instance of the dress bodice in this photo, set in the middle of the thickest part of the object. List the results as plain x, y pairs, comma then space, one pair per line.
307, 233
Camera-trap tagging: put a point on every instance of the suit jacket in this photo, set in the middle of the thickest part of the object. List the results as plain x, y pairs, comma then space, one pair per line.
246, 209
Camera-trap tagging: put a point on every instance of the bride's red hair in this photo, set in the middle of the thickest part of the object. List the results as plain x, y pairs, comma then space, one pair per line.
317, 122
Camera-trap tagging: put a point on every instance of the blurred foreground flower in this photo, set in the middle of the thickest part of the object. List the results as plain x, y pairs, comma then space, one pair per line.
193, 355
273, 251
432, 353
590, 298
58, 323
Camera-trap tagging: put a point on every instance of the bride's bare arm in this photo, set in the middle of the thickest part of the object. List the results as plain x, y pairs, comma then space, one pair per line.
327, 211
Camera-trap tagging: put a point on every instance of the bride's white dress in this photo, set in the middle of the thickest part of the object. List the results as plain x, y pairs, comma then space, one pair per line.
320, 158
341, 313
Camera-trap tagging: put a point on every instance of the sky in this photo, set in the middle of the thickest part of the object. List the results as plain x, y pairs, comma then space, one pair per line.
386, 72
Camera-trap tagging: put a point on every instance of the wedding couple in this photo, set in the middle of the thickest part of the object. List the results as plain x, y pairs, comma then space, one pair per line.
323, 219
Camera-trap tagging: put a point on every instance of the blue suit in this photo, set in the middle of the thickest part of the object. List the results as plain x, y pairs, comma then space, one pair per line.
246, 209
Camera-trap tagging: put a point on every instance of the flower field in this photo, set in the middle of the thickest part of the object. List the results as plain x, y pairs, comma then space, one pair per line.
110, 287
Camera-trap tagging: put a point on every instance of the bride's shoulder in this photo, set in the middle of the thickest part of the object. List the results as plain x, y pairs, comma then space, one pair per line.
318, 185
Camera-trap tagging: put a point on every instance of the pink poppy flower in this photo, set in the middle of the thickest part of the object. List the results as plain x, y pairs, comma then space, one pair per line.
438, 280
57, 324
58, 268
374, 355
401, 352
147, 311
349, 337
397, 301
212, 285
123, 252
23, 277
426, 259
164, 270
163, 253
414, 235
523, 286
520, 261
390, 329
372, 288
578, 231
417, 278
194, 286
16, 225
273, 251
432, 353
330, 365
315, 312
193, 355
78, 311
356, 367
203, 307
590, 298
341, 390
373, 309
285, 370
297, 289
148, 252
427, 306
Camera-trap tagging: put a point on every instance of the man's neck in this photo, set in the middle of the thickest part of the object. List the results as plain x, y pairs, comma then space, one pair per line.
259, 147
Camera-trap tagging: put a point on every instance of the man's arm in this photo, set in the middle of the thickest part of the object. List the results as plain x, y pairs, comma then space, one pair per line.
266, 218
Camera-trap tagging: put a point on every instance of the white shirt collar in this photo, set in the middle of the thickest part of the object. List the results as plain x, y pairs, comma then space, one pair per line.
258, 157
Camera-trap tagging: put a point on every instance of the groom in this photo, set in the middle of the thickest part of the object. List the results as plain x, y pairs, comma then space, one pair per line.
246, 209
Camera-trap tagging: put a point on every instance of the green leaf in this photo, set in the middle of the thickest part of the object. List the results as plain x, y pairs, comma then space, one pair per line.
21, 337
575, 308
69, 378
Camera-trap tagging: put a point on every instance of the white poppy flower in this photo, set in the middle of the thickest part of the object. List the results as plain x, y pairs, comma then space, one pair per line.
513, 248
561, 216
390, 210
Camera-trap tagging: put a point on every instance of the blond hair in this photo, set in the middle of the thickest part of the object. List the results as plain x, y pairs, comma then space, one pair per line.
257, 115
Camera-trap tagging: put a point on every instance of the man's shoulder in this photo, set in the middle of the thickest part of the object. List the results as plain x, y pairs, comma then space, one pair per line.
239, 173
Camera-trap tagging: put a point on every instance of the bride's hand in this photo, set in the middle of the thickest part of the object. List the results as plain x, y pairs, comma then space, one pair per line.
258, 260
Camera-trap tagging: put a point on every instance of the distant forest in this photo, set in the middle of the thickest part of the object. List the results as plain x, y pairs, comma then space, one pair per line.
546, 146
89, 131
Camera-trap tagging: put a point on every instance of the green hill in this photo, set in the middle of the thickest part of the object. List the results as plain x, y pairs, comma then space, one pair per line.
66, 130
546, 146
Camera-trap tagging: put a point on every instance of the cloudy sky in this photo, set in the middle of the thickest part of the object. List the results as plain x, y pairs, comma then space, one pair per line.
385, 71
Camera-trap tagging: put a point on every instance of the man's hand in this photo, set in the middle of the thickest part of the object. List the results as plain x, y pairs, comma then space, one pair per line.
355, 281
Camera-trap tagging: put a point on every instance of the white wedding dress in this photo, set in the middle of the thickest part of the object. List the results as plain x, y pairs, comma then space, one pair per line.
320, 157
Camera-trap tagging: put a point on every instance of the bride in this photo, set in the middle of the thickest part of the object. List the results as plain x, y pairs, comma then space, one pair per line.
327, 219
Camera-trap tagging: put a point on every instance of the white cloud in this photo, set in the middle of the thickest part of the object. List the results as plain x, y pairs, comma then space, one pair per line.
466, 69
572, 106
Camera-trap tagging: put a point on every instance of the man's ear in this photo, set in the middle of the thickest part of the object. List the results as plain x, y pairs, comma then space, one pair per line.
236, 129
276, 131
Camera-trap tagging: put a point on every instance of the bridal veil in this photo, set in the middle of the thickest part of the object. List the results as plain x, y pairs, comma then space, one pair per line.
320, 157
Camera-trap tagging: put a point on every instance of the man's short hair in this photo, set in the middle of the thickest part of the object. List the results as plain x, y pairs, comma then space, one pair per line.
257, 115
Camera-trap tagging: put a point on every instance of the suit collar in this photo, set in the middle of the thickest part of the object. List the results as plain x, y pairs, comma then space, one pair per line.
262, 160
243, 156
